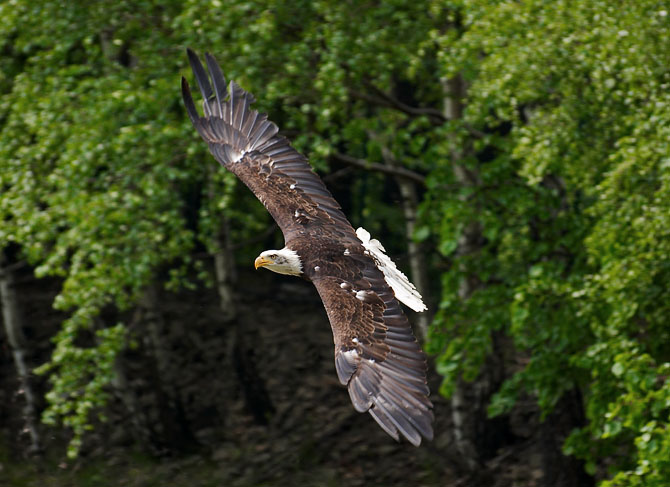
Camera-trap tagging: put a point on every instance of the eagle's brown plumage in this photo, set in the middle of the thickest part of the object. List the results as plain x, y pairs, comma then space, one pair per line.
376, 355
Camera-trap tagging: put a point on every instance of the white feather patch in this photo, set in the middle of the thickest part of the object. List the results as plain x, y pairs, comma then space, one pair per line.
403, 289
351, 355
238, 155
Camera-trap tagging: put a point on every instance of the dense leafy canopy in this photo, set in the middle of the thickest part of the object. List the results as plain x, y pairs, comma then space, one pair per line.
564, 134
573, 201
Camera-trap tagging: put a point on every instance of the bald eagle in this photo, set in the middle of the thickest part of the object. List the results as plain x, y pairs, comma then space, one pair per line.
376, 354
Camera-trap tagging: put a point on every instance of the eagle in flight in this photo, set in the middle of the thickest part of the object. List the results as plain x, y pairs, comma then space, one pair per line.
376, 354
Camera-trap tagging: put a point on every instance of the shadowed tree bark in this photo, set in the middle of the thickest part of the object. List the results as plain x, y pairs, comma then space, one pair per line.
126, 392
167, 423
241, 354
468, 401
13, 326
560, 470
224, 266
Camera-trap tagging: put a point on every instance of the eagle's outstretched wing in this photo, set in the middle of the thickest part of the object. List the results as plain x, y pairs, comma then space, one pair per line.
376, 355
246, 143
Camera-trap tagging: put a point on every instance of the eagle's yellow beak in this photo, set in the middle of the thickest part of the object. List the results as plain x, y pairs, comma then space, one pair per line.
262, 261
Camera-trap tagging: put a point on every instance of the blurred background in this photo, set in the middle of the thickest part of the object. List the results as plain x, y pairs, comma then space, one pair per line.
513, 157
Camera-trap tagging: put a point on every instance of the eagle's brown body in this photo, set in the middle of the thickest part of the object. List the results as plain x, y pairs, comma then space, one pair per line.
376, 355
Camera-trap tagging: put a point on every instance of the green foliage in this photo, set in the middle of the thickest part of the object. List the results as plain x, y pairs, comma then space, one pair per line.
104, 182
80, 386
565, 136
91, 160
572, 196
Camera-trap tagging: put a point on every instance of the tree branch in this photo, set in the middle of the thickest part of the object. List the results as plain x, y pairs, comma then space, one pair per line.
334, 176
375, 166
386, 100
260, 237
409, 110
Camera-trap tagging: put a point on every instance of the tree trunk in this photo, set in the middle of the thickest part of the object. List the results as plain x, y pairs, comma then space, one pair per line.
241, 354
468, 401
558, 469
155, 325
224, 268
124, 390
13, 325
417, 262
165, 419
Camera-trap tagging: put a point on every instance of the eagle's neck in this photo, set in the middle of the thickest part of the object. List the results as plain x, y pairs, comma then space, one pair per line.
293, 264
286, 261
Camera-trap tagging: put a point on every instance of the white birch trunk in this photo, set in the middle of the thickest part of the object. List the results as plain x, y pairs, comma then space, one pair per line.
417, 262
13, 327
466, 401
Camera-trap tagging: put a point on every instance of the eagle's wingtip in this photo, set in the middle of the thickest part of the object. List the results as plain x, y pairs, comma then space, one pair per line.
192, 56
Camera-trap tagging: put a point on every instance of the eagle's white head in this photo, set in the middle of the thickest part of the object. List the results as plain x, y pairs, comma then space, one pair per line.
283, 261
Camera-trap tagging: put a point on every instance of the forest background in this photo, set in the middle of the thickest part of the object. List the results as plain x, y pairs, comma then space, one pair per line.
513, 157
